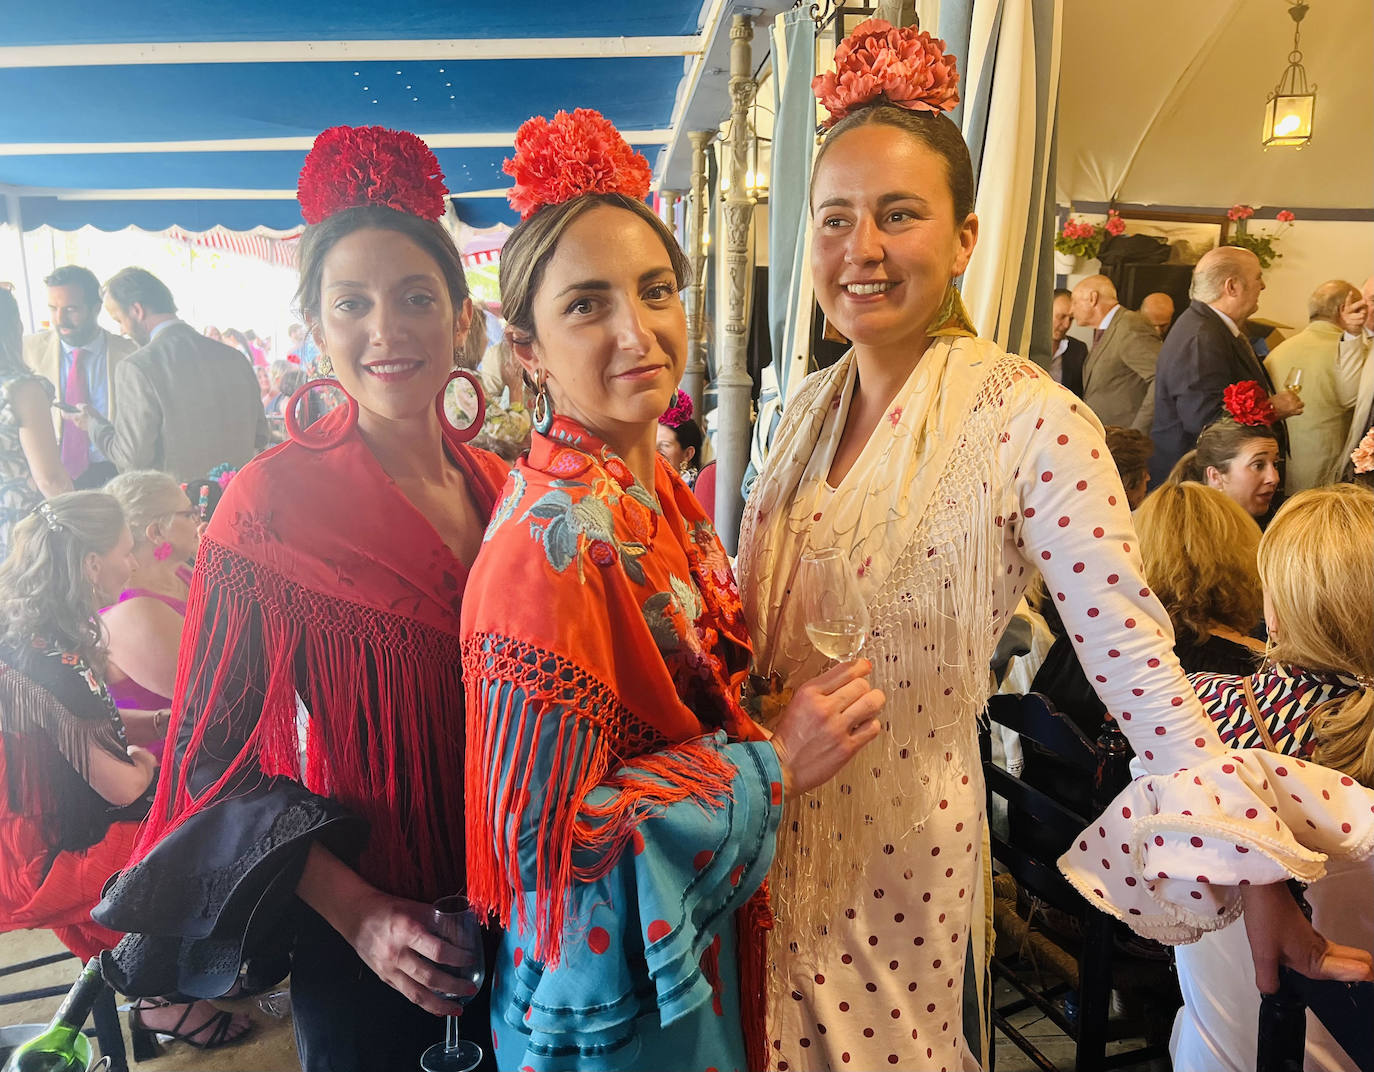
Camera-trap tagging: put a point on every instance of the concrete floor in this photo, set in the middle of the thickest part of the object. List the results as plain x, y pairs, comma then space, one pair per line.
270, 1047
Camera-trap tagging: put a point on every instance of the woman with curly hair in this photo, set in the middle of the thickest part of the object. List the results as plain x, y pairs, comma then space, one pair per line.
75, 787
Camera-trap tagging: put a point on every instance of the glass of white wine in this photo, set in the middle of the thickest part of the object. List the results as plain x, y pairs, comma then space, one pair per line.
835, 614
1294, 381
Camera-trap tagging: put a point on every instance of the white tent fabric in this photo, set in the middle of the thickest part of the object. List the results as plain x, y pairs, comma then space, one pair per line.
1161, 103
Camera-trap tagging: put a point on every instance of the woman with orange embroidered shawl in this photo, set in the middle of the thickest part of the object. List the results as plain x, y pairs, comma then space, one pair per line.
331, 578
621, 804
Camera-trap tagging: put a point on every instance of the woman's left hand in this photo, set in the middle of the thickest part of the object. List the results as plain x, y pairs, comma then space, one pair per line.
1280, 935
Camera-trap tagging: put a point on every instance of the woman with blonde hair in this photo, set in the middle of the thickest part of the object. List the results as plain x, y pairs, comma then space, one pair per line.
1199, 549
1313, 699
144, 623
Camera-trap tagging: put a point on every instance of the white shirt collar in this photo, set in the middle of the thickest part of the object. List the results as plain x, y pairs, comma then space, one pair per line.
1108, 318
1235, 330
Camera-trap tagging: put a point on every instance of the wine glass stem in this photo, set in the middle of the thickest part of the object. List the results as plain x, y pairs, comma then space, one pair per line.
452, 1040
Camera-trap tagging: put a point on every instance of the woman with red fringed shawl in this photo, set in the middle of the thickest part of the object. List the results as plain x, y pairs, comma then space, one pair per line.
333, 572
621, 804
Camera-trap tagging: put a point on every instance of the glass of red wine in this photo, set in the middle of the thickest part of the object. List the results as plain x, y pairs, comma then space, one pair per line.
455, 922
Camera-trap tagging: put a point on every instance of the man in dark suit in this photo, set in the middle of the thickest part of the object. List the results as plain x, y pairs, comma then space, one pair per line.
186, 402
1205, 353
1119, 374
1067, 353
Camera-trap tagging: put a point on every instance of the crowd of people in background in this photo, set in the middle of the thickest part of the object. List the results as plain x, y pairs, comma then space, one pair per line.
395, 664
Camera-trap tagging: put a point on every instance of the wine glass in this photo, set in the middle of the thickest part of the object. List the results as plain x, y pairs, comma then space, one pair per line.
456, 923
1294, 381
835, 614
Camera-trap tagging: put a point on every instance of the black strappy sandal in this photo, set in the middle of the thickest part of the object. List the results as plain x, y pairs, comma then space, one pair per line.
215, 1031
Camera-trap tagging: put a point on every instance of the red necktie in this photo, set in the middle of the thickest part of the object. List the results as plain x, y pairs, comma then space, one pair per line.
1097, 335
76, 445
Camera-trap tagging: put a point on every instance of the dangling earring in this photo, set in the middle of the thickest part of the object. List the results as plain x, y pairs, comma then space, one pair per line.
163, 551
543, 406
951, 318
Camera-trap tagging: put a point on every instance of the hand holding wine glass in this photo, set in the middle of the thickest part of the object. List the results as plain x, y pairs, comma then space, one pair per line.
457, 925
1294, 382
836, 616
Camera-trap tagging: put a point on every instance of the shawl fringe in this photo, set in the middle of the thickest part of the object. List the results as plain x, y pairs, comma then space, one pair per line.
383, 764
577, 839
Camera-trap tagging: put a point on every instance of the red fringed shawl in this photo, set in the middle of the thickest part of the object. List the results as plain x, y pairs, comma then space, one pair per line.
618, 618
321, 577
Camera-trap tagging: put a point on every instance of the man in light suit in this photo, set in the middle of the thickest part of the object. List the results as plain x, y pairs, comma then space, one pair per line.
1316, 435
80, 358
1119, 374
1205, 353
186, 403
1355, 373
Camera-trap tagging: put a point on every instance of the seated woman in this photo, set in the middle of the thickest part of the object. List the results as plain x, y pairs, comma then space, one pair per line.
1199, 550
1312, 700
75, 787
144, 625
622, 806
1239, 459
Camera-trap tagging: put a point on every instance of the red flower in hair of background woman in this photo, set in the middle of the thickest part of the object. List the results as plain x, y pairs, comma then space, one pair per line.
570, 155
351, 166
1248, 403
681, 410
906, 66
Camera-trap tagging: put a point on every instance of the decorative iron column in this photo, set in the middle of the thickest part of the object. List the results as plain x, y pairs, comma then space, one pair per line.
667, 210
734, 387
694, 376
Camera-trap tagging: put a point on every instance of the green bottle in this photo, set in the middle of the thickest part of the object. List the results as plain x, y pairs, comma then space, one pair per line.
62, 1047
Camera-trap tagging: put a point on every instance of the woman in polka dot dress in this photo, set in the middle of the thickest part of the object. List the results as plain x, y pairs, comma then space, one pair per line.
948, 472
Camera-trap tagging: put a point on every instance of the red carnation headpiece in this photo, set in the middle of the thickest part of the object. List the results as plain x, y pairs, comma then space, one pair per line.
681, 410
570, 155
878, 61
352, 166
1248, 403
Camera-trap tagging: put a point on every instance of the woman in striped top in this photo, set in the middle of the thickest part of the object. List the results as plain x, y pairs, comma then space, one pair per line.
1313, 699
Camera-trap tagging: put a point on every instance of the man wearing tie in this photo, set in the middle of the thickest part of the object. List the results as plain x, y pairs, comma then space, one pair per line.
1119, 374
80, 358
1205, 353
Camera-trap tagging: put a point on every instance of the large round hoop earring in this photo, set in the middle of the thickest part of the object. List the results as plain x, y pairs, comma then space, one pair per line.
330, 439
452, 431
542, 413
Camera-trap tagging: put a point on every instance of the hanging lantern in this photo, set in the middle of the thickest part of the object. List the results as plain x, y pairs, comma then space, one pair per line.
1289, 110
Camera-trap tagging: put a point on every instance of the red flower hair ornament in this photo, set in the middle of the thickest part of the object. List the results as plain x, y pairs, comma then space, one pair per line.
680, 411
880, 63
1248, 403
570, 155
352, 166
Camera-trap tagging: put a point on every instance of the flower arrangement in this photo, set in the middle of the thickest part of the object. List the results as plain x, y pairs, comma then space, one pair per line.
222, 474
1261, 245
1248, 403
1081, 239
352, 166
1363, 455
570, 155
680, 410
879, 62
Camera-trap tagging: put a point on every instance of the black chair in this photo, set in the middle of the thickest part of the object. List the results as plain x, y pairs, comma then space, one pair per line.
107, 1031
1346, 1010
1031, 861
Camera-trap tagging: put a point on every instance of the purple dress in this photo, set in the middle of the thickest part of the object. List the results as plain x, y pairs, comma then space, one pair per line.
128, 694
